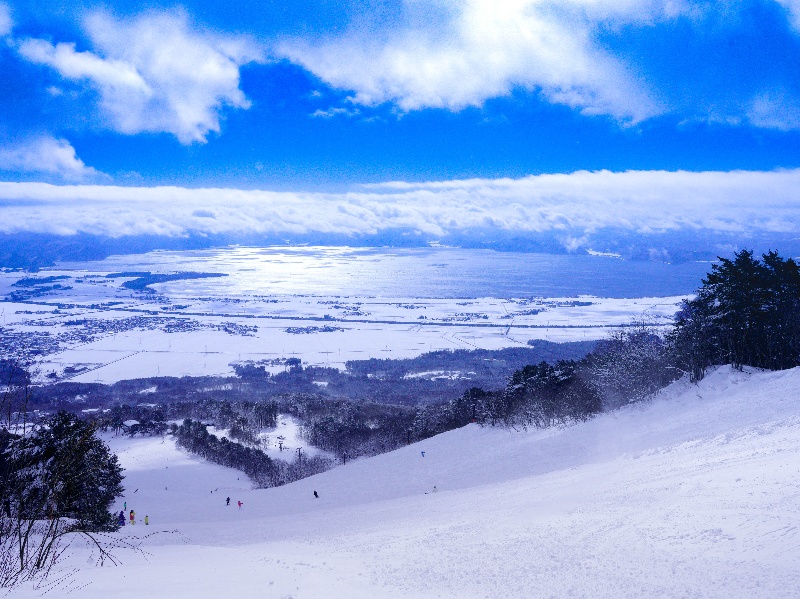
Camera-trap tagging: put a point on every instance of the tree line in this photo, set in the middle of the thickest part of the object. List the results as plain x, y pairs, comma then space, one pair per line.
746, 313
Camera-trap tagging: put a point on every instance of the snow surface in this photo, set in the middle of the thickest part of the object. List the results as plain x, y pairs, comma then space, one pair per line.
695, 494
289, 429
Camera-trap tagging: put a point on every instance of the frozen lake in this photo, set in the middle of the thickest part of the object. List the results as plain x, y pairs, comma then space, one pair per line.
436, 272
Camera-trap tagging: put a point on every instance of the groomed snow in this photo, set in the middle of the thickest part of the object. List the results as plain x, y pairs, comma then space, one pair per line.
694, 494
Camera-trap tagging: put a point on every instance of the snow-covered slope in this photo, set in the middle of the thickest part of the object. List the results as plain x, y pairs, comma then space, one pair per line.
694, 494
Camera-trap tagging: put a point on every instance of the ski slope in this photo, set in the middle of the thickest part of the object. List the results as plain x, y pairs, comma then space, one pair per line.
694, 494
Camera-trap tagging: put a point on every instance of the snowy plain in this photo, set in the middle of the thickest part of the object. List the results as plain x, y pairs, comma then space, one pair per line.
695, 493
94, 329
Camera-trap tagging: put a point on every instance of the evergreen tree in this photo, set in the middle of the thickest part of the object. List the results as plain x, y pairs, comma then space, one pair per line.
63, 470
747, 312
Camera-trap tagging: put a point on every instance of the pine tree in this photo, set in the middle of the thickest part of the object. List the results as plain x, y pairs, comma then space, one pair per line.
63, 470
747, 312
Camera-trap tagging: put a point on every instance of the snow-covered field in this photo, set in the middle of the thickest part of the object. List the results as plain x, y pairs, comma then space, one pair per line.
695, 494
93, 329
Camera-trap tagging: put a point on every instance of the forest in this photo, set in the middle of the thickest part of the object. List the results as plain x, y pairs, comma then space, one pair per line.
383, 381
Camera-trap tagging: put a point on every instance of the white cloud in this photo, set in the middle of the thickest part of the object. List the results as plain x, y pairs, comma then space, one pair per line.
49, 156
113, 74
568, 206
793, 9
332, 112
6, 22
775, 110
155, 72
482, 49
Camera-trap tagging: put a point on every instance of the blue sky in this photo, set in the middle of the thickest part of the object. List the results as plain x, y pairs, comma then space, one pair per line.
329, 96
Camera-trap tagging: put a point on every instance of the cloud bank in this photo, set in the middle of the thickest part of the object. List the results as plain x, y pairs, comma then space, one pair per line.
154, 72
573, 208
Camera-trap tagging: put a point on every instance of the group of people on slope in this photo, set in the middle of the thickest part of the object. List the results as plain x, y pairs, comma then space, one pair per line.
131, 515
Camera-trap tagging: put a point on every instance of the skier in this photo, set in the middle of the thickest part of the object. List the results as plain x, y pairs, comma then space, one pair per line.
124, 506
146, 520
423, 453
435, 489
228, 501
133, 517
315, 495
240, 505
121, 519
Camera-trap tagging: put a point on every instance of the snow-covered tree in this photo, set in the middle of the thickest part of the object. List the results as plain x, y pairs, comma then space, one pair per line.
58, 479
631, 364
62, 469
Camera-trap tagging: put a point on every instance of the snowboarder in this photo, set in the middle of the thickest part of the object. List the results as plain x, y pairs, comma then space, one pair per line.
146, 520
133, 517
315, 495
240, 504
228, 501
423, 453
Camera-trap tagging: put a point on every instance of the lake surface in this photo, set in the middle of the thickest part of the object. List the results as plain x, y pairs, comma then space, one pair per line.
392, 272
